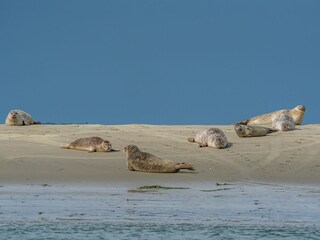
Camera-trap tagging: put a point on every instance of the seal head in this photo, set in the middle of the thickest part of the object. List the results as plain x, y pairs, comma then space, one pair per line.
297, 114
13, 116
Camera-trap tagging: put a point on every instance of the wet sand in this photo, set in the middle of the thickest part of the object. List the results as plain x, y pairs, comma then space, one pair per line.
231, 211
31, 155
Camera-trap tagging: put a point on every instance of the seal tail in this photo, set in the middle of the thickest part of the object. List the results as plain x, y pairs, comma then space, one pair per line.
115, 150
183, 165
66, 146
271, 130
190, 139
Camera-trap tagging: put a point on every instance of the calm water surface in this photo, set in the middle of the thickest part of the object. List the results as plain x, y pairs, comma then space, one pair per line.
236, 211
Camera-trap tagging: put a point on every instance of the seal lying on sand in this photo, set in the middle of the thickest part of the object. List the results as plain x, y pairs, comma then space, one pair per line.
213, 137
19, 118
90, 144
283, 122
252, 131
296, 113
146, 162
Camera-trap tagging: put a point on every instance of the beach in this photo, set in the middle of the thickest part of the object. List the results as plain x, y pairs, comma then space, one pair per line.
265, 187
31, 155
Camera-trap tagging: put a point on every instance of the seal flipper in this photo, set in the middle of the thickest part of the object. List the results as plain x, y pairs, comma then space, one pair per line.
271, 130
92, 149
65, 146
244, 122
183, 165
202, 145
115, 150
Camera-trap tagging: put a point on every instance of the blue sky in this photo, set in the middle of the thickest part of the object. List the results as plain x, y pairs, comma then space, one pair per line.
158, 62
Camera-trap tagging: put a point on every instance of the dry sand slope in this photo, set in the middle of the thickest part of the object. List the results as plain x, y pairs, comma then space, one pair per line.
31, 154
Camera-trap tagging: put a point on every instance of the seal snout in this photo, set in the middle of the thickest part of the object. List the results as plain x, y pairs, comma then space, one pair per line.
285, 127
107, 145
219, 142
238, 126
301, 108
13, 115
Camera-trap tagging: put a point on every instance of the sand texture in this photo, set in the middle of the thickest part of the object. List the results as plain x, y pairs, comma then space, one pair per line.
31, 154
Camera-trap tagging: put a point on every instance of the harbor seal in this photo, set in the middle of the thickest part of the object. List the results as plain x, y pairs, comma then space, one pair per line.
213, 137
90, 144
296, 113
252, 131
19, 118
283, 122
146, 162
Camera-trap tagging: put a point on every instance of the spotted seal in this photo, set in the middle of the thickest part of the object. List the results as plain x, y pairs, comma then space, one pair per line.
283, 122
212, 137
296, 113
146, 162
19, 118
252, 131
90, 144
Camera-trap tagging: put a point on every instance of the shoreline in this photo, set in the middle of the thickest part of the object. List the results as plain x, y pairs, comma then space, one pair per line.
31, 155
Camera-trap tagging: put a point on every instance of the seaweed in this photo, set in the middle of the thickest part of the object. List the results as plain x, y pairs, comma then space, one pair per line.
216, 190
222, 184
159, 187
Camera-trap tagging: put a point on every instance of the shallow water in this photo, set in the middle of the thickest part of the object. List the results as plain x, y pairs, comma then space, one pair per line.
240, 210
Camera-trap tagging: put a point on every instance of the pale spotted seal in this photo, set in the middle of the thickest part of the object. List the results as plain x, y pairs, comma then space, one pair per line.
296, 113
19, 118
146, 162
283, 122
252, 131
213, 137
90, 144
